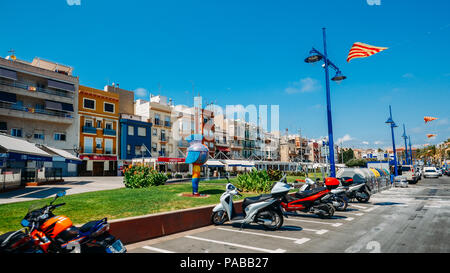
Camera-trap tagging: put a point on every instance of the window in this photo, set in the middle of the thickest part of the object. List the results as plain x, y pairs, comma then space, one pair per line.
38, 134
99, 124
109, 125
163, 135
130, 130
88, 123
98, 143
60, 137
137, 150
88, 104
3, 127
128, 149
167, 121
88, 143
108, 146
155, 131
154, 147
108, 107
163, 150
16, 132
157, 119
142, 131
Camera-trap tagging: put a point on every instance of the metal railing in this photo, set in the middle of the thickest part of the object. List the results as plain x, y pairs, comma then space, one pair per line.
13, 106
32, 88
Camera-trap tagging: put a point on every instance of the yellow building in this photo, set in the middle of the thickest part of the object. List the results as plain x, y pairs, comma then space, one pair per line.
99, 123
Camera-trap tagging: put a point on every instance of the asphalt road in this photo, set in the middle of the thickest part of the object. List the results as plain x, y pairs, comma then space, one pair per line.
398, 220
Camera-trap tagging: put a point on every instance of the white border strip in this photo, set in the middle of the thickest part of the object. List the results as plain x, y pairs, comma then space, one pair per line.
296, 240
237, 245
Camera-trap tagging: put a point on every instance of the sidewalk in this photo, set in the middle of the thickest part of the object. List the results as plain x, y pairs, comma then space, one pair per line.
72, 185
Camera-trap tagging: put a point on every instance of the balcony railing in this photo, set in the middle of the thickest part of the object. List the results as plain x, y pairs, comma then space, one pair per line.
89, 130
32, 88
32, 110
167, 123
109, 132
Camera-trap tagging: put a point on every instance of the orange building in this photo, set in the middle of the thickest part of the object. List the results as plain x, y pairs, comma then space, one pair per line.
98, 111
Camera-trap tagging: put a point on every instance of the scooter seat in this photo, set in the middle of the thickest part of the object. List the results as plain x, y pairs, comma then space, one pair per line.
250, 200
304, 194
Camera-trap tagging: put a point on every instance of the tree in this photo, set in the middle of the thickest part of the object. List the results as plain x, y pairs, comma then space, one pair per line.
356, 163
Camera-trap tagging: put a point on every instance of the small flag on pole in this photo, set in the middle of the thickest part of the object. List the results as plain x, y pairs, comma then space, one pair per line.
427, 119
360, 50
431, 135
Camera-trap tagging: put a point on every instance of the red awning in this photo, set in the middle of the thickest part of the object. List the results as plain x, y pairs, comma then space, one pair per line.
98, 157
223, 149
171, 159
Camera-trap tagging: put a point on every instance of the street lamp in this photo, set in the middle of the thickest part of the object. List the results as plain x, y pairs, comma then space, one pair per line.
393, 125
405, 137
316, 56
410, 151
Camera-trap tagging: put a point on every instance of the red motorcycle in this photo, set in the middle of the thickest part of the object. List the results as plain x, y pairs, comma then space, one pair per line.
312, 201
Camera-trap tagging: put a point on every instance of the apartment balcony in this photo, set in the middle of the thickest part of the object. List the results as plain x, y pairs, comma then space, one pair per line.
24, 89
109, 132
89, 130
167, 124
24, 112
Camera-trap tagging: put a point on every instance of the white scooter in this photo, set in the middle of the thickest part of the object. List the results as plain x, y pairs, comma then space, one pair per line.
263, 209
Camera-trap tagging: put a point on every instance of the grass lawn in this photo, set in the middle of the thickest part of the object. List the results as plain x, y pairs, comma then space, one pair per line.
121, 203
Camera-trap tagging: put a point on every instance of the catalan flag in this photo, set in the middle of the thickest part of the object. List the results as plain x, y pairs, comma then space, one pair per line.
360, 50
428, 119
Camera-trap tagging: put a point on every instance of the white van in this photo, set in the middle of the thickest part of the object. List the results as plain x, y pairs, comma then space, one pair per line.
409, 173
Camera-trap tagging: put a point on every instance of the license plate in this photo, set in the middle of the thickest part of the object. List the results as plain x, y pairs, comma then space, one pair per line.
117, 247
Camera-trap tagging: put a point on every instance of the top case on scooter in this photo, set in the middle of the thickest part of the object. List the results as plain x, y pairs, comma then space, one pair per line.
331, 183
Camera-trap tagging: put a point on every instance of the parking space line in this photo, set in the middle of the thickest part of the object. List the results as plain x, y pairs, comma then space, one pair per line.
278, 250
349, 219
309, 221
356, 213
357, 206
296, 240
317, 231
370, 209
157, 249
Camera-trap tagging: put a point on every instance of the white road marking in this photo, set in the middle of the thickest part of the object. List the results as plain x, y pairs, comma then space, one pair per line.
296, 240
278, 250
157, 249
349, 219
317, 231
370, 209
309, 221
357, 206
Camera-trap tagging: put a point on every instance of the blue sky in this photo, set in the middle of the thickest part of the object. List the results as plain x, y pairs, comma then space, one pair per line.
251, 52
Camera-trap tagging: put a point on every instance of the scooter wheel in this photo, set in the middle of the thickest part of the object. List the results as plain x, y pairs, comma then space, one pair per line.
343, 204
328, 213
363, 199
218, 217
276, 217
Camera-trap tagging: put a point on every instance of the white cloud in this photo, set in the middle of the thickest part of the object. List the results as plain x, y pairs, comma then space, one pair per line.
303, 85
365, 142
345, 138
408, 75
378, 142
140, 92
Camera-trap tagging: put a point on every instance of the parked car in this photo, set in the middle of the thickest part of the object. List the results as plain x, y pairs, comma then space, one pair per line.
430, 172
439, 171
400, 181
447, 172
410, 174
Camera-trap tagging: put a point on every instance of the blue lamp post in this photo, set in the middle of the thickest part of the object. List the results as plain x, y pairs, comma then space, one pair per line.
316, 56
405, 137
393, 125
410, 151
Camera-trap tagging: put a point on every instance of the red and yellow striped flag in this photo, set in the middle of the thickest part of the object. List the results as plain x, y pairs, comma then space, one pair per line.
360, 50
427, 119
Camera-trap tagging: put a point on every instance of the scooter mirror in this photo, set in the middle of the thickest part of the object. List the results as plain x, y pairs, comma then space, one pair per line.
61, 193
24, 223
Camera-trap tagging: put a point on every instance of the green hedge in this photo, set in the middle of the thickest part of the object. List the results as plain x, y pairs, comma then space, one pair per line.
254, 181
139, 176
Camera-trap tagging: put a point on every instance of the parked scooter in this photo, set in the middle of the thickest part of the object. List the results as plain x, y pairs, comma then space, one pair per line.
338, 197
317, 201
263, 209
57, 234
359, 191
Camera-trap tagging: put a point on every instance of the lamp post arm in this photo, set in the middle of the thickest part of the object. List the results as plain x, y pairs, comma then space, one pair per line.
330, 63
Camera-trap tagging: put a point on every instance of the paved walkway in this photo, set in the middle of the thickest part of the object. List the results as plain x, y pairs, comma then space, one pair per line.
71, 185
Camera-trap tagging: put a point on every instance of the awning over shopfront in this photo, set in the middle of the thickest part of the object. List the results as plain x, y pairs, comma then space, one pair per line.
171, 159
214, 163
21, 150
64, 155
239, 163
99, 157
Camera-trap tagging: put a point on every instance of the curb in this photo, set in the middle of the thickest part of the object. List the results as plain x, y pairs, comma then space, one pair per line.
141, 228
